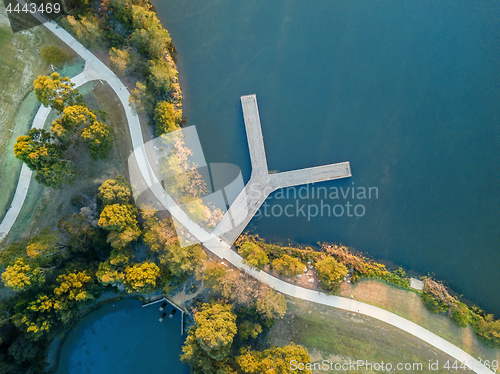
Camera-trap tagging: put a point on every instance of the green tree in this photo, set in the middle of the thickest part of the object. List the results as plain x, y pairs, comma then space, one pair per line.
460, 314
112, 271
56, 91
46, 159
166, 118
122, 223
213, 274
120, 60
330, 272
73, 291
20, 276
115, 191
253, 255
247, 329
87, 30
274, 360
36, 317
271, 304
99, 139
209, 341
152, 43
160, 76
182, 261
140, 99
53, 55
141, 277
215, 329
79, 123
488, 329
288, 266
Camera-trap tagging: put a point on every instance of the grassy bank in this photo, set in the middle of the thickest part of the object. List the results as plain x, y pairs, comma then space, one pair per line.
409, 305
338, 336
20, 64
44, 206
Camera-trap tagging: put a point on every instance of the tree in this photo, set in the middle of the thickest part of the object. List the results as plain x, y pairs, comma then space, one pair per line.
253, 255
209, 341
152, 43
115, 191
140, 99
120, 60
160, 76
73, 291
247, 329
330, 272
182, 262
274, 360
79, 123
112, 271
213, 274
98, 138
36, 317
56, 91
199, 360
20, 276
158, 234
53, 55
46, 159
460, 314
87, 30
288, 266
488, 329
271, 304
122, 223
166, 118
141, 277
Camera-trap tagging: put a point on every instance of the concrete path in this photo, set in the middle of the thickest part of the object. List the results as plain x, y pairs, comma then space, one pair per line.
95, 69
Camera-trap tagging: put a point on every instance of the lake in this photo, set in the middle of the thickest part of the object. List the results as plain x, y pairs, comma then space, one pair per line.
124, 338
407, 91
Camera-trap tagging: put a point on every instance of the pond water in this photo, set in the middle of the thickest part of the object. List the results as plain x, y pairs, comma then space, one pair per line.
124, 338
407, 91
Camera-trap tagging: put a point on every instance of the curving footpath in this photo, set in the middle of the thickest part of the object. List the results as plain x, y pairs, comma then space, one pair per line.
95, 69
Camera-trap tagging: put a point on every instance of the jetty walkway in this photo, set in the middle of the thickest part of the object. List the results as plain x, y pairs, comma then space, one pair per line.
261, 183
95, 69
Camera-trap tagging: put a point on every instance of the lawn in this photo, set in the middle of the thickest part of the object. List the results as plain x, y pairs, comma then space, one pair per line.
339, 336
409, 305
20, 64
44, 206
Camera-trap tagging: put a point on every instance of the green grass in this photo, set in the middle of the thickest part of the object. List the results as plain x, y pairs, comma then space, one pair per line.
44, 206
409, 305
20, 64
336, 335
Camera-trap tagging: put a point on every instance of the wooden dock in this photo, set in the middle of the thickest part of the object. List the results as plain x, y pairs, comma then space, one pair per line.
262, 183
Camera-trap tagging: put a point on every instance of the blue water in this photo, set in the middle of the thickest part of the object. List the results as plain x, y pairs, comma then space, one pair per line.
408, 91
124, 338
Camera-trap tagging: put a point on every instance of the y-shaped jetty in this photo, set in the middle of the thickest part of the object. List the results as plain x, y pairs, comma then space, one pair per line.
261, 183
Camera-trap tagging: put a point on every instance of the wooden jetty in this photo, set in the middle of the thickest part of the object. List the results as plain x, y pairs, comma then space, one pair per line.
262, 183
183, 311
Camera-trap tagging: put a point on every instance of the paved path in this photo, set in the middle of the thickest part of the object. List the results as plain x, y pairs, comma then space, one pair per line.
95, 69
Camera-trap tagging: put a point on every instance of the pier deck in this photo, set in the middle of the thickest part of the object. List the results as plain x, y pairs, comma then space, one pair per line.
262, 183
